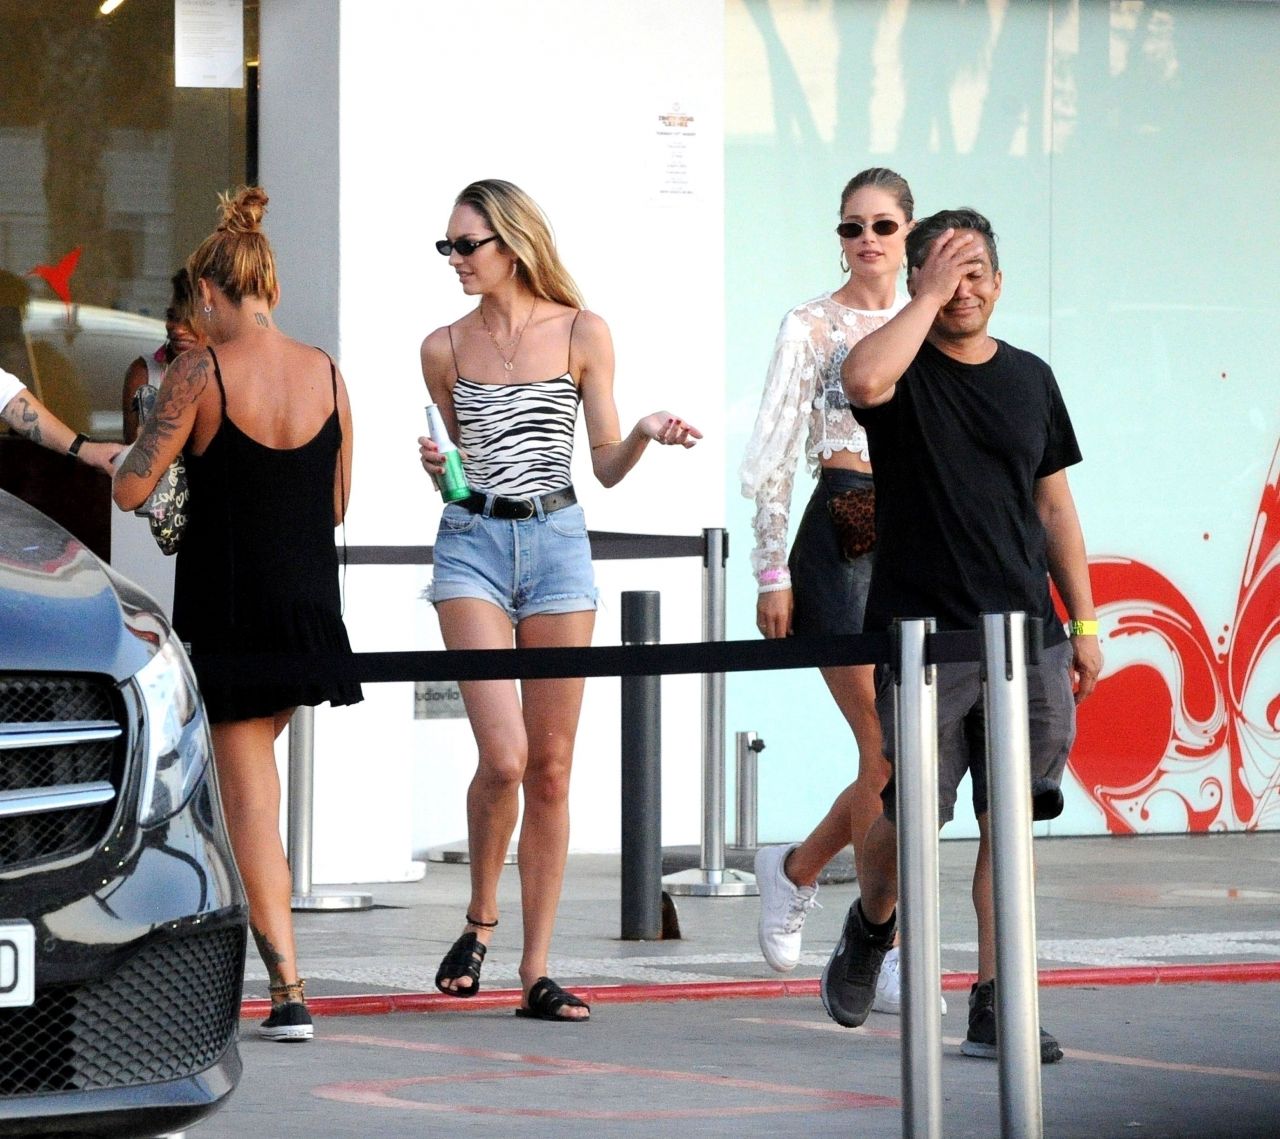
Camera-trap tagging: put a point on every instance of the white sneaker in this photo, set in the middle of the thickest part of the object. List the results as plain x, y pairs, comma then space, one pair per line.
783, 907
889, 986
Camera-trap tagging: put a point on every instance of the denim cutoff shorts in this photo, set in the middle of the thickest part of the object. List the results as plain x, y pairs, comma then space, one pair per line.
828, 590
535, 565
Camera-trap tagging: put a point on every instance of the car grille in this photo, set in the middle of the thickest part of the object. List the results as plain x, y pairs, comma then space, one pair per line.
170, 1011
62, 751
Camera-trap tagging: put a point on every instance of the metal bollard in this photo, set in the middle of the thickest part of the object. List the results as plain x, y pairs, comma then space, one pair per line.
1008, 780
916, 776
749, 746
301, 803
712, 879
641, 777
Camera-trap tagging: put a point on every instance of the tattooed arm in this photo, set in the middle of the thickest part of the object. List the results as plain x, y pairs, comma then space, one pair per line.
165, 431
30, 418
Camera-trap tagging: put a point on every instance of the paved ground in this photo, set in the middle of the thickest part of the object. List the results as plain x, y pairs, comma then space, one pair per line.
757, 1055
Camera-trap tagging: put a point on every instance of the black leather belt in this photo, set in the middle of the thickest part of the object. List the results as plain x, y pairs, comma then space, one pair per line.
518, 509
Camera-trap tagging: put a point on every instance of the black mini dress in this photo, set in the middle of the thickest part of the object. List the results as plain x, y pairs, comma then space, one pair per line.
257, 570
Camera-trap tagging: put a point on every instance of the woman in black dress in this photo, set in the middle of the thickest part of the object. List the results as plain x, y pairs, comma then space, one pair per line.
265, 425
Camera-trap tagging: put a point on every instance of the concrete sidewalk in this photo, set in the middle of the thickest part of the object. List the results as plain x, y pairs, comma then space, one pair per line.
1201, 899
1118, 920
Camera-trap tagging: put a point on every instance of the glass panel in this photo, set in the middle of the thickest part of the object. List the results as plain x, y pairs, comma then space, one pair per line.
1104, 141
101, 154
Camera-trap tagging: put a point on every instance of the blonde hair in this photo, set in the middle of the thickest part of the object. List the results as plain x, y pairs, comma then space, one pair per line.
523, 228
237, 256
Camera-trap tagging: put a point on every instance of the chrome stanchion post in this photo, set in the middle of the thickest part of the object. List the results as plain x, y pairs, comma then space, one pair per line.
1009, 788
713, 625
748, 747
916, 776
301, 804
713, 878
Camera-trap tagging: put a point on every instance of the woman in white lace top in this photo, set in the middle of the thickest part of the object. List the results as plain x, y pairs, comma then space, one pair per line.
816, 589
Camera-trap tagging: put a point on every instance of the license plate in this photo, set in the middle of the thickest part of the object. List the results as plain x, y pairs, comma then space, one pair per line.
17, 964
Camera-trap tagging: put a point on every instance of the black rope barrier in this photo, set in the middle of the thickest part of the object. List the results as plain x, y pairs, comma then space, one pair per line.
945, 647
606, 545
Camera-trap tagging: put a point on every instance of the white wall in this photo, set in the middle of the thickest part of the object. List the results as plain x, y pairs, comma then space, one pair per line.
564, 98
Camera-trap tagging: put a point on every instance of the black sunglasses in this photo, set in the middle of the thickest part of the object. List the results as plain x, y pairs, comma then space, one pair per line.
464, 245
881, 227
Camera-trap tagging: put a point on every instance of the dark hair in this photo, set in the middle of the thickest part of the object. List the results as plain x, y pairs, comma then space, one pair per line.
181, 301
881, 178
927, 229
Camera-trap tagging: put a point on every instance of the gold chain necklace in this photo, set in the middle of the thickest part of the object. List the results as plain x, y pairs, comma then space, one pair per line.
508, 362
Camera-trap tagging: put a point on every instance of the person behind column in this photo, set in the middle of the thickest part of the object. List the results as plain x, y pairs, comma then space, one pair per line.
32, 420
821, 587
265, 425
513, 559
970, 439
147, 371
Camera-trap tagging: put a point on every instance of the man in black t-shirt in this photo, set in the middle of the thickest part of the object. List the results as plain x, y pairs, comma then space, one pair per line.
970, 441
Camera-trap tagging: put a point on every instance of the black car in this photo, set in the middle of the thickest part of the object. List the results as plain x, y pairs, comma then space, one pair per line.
122, 917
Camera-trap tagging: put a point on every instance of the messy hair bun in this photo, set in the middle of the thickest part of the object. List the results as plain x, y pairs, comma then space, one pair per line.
242, 212
237, 256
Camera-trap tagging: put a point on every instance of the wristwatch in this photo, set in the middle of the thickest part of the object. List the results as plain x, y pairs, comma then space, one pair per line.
76, 443
1082, 628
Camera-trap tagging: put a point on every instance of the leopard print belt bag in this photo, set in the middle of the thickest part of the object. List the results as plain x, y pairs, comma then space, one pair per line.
853, 513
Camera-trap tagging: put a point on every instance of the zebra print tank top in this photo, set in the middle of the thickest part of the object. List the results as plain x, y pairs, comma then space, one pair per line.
518, 438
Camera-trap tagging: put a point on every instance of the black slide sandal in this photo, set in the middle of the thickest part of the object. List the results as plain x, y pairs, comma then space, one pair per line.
546, 999
464, 959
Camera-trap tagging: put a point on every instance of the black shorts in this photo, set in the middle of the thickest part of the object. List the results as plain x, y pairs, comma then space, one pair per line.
962, 740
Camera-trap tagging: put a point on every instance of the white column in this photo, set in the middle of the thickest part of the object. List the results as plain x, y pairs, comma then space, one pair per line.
373, 118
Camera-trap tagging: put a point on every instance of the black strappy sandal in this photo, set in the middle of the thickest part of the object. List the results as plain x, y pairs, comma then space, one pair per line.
464, 959
546, 999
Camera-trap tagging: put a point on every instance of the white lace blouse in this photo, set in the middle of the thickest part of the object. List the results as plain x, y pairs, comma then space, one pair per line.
803, 405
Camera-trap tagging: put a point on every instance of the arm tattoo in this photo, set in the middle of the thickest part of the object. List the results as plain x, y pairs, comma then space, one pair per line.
24, 419
182, 386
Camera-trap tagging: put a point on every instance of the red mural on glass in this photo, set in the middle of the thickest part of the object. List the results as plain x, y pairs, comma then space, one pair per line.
58, 277
1183, 731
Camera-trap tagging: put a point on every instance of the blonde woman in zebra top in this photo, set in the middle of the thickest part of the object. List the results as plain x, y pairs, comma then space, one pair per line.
513, 562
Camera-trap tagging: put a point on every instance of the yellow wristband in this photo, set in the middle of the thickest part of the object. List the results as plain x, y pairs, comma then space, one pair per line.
1083, 628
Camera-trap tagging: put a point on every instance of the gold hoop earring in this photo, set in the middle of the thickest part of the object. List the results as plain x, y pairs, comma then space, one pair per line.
844, 265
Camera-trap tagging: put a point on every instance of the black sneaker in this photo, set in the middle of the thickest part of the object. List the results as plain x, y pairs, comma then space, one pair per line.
849, 980
288, 1022
981, 1040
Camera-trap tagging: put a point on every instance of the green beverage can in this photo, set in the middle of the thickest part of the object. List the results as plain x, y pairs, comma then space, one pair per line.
452, 484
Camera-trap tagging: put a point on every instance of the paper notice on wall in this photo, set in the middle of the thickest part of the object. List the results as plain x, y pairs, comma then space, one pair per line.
438, 700
208, 43
675, 166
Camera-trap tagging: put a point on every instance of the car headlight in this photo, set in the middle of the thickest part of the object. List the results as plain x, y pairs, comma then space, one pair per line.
177, 735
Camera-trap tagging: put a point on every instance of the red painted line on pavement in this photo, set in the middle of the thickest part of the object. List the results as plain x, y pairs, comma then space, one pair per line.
1226, 972
773, 1098
373, 1004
